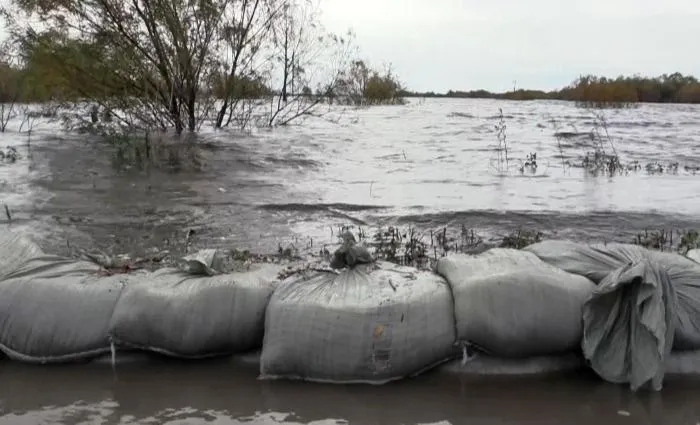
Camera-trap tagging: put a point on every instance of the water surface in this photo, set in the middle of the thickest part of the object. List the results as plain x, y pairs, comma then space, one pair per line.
223, 392
430, 163
427, 164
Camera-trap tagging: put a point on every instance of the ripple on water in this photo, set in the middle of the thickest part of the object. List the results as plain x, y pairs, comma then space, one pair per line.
437, 156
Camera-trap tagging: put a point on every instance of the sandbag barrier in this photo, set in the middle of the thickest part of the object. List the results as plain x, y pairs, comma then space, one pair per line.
628, 313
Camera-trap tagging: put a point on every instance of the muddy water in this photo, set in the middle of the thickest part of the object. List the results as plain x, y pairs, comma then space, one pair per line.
223, 392
429, 164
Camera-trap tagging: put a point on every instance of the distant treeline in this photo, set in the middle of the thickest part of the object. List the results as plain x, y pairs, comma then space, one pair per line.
599, 91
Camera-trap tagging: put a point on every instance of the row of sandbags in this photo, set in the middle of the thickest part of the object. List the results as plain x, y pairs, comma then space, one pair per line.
624, 307
54, 309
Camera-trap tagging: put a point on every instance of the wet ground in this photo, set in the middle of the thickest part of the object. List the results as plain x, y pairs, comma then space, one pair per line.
428, 164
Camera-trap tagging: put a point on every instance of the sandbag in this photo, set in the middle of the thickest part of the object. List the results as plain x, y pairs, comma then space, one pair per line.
15, 250
629, 325
599, 260
694, 254
511, 304
592, 261
183, 315
55, 310
684, 275
372, 323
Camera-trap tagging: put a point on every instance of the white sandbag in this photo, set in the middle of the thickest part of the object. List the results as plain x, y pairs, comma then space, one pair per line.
484, 364
629, 325
694, 254
182, 315
15, 250
511, 304
372, 323
54, 310
599, 260
592, 261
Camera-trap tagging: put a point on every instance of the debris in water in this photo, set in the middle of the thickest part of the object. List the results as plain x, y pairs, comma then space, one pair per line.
623, 413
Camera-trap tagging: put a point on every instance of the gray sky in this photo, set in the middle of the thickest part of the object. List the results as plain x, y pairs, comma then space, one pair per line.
470, 44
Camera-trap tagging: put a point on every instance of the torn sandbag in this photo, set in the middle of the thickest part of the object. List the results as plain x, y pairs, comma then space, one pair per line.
182, 315
694, 254
592, 261
629, 324
56, 310
15, 250
511, 304
372, 323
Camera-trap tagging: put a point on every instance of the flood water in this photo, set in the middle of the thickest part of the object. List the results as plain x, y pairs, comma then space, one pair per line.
223, 392
429, 164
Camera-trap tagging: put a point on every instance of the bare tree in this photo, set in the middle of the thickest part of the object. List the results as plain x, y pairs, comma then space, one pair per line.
305, 56
160, 64
10, 87
157, 51
244, 33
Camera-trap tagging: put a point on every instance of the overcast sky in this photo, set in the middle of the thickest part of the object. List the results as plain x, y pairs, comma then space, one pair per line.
471, 44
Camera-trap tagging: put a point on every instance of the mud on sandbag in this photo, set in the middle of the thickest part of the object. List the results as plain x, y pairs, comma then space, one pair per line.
371, 324
54, 309
15, 250
509, 303
188, 316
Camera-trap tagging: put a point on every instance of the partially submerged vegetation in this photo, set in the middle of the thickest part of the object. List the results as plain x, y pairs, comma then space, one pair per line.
600, 158
171, 65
